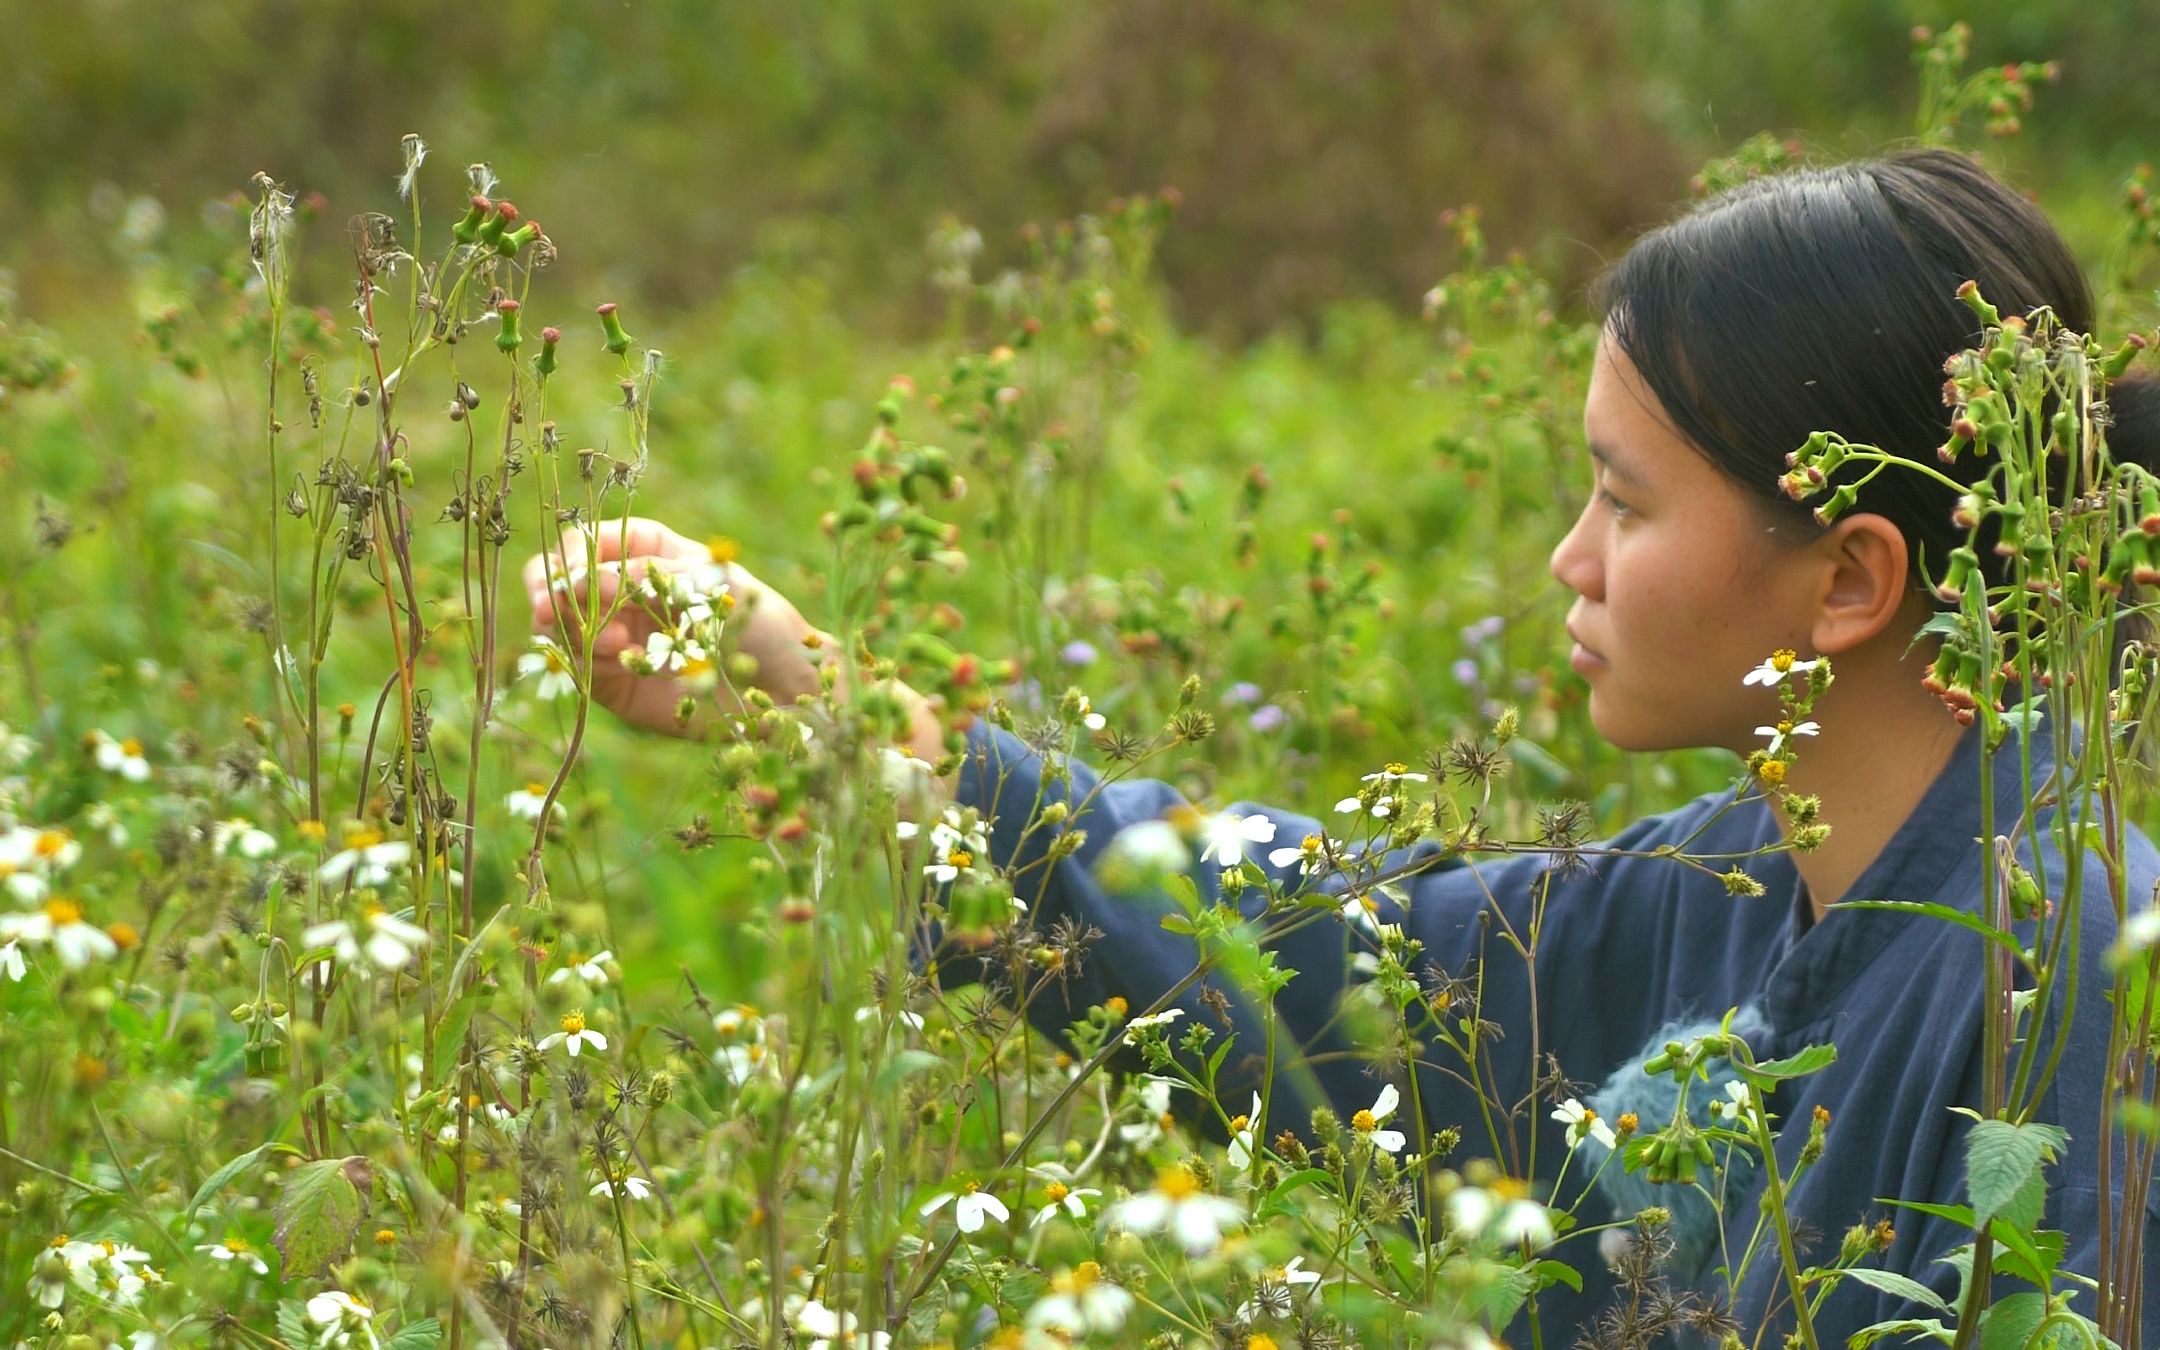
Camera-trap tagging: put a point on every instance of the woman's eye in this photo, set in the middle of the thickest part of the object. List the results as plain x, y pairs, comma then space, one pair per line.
1612, 503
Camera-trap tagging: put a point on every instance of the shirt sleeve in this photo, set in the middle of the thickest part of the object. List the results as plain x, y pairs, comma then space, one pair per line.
1463, 916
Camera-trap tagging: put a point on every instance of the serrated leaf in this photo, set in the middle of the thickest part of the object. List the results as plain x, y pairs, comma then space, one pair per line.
424, 1334
292, 1324
2009, 1323
1898, 1286
319, 1212
2002, 1163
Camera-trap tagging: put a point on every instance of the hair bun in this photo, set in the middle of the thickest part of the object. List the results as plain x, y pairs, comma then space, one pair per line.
2133, 434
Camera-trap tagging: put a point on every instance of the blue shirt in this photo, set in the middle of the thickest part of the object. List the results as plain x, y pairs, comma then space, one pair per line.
1631, 948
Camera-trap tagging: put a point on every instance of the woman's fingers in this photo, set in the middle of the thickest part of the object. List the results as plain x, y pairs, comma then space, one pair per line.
635, 539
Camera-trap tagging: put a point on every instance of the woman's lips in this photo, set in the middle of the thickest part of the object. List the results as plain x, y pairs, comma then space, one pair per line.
1582, 659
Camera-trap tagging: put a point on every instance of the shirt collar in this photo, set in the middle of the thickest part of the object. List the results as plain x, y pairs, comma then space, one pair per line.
1941, 833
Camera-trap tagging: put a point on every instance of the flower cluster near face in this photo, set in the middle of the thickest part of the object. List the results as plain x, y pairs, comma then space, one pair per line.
691, 612
1771, 765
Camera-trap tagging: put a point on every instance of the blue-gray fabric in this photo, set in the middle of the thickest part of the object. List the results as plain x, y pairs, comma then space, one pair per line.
1630, 946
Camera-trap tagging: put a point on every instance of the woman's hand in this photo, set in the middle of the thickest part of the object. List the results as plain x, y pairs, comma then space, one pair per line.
764, 625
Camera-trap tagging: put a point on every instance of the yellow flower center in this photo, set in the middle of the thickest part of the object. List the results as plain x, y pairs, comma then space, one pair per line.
1259, 1340
1396, 770
1057, 1190
124, 936
697, 667
1629, 1122
1239, 1122
556, 664
1364, 1122
960, 857
1178, 1183
723, 549
1782, 659
312, 829
573, 1023
62, 911
536, 788
362, 837
971, 1188
1510, 1188
1116, 1006
1784, 728
131, 747
57, 1243
1771, 771
757, 1054
237, 1246
51, 843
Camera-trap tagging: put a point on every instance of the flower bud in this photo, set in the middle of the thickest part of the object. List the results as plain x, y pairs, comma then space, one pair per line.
548, 338
468, 229
509, 339
618, 341
513, 240
491, 229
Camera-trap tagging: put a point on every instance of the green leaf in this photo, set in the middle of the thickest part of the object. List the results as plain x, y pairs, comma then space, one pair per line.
292, 1324
906, 1065
2032, 1257
320, 1211
1931, 1328
1178, 923
1961, 1215
1184, 891
218, 1180
1973, 922
450, 1028
1898, 1286
2002, 1167
1814, 1059
1276, 1201
2010, 1323
1550, 1273
424, 1334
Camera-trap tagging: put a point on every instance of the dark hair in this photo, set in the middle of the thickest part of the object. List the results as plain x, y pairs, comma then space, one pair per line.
1826, 300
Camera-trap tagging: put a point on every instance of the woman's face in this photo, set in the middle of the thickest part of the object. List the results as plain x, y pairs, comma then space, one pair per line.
1678, 586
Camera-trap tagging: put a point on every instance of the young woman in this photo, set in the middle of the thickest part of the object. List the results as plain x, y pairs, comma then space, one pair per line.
1819, 300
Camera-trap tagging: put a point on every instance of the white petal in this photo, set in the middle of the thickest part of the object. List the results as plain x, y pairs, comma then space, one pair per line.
1384, 1105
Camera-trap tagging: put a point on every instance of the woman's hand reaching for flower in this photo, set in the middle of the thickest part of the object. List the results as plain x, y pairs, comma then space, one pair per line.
586, 575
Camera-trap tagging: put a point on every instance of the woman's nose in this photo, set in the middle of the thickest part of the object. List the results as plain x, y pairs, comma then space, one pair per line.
1574, 564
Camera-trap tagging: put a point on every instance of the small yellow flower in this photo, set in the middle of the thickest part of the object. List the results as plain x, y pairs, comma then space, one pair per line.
1771, 772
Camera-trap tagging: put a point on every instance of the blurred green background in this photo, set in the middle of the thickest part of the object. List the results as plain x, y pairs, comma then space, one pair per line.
668, 143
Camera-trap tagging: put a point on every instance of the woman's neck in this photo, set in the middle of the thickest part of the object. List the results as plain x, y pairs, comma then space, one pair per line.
1884, 741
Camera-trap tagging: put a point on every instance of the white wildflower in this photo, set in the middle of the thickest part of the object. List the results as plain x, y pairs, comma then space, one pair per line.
1368, 1122
236, 1249
252, 841
573, 1036
1583, 1123
1081, 1303
591, 970
60, 922
1196, 1218
391, 941
530, 800
368, 858
123, 757
547, 660
972, 1207
1226, 835
1772, 672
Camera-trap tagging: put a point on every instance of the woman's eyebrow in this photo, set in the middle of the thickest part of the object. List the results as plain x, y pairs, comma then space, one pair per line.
1615, 466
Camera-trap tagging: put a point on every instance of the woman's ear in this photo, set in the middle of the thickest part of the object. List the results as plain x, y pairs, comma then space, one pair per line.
1866, 581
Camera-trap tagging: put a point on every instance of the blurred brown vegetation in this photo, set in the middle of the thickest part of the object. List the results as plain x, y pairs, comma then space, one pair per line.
665, 143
